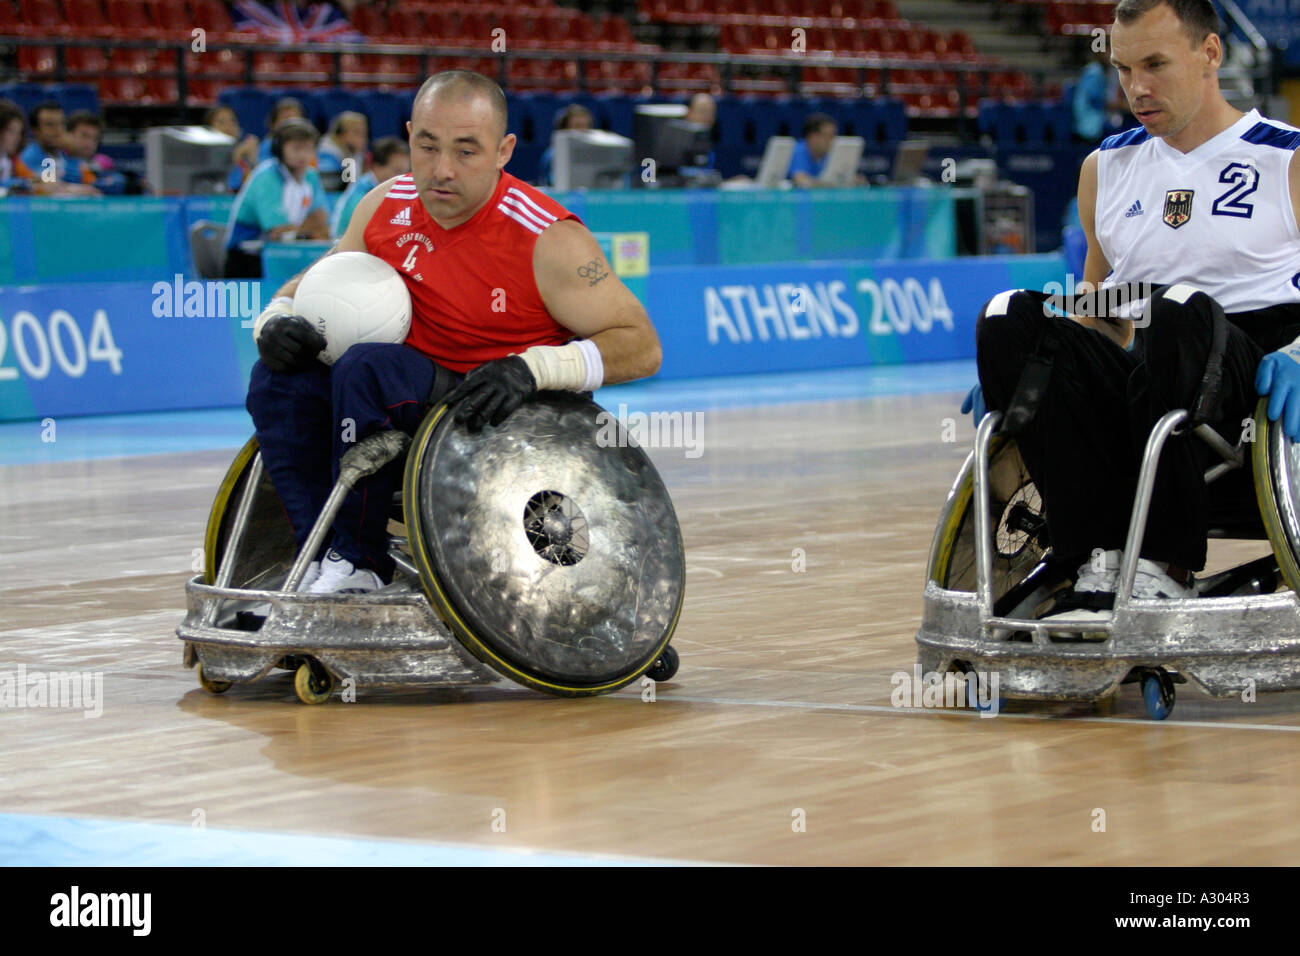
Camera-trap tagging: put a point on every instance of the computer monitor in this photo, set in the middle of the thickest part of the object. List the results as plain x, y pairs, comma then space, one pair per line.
909, 161
775, 165
841, 167
183, 160
662, 133
589, 159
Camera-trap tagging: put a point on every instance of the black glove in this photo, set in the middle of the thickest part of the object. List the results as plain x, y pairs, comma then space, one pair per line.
491, 392
288, 343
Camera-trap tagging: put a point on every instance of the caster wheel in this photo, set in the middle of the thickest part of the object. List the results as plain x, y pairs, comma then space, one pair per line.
211, 686
665, 665
1158, 694
313, 683
976, 697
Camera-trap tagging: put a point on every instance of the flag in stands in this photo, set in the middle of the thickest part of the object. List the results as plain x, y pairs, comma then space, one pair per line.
294, 22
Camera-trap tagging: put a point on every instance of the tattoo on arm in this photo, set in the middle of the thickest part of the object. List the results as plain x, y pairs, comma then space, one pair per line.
594, 271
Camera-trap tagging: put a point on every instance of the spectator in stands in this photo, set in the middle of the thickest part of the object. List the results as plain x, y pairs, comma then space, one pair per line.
572, 116
702, 109
285, 109
85, 162
15, 177
46, 158
810, 153
348, 138
244, 157
282, 199
390, 157
1098, 101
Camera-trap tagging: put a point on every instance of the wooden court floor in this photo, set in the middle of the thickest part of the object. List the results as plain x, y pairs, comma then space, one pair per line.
780, 713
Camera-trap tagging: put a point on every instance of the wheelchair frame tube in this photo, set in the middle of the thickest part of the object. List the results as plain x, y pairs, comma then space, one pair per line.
983, 537
227, 567
1142, 504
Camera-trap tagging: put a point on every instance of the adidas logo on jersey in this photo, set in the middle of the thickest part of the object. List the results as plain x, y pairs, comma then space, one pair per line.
403, 218
1134, 210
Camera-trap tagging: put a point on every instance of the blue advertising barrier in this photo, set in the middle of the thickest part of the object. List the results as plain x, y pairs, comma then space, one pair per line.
790, 317
146, 238
105, 348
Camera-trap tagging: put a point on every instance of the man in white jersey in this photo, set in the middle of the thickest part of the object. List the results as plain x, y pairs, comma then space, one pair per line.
1202, 202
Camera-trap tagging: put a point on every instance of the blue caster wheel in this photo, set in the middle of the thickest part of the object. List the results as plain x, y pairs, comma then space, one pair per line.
1158, 694
975, 692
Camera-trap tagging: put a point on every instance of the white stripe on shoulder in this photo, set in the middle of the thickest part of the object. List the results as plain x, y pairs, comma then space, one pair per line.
511, 201
551, 217
518, 218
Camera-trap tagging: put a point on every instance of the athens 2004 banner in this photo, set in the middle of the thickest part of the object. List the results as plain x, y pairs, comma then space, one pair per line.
105, 348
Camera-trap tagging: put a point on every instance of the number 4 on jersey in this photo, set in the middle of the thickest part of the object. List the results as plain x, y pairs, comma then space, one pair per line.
409, 262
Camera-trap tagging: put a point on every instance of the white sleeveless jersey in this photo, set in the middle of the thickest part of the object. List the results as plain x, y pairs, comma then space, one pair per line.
1218, 218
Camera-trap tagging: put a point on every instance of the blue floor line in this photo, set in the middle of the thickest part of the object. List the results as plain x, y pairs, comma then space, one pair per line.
118, 436
68, 841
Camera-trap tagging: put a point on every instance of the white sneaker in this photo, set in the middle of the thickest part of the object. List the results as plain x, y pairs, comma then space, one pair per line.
1153, 582
339, 576
1094, 589
1093, 594
309, 576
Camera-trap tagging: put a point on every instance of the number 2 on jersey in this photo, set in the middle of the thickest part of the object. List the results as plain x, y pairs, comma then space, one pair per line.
409, 263
1244, 181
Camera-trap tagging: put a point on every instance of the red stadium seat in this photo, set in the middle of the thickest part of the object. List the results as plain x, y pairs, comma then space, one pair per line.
369, 21
86, 59
36, 59
212, 16
172, 19
475, 30
161, 89
130, 89
41, 18
134, 61
87, 18
406, 26
10, 22
202, 92
557, 32
130, 18
442, 26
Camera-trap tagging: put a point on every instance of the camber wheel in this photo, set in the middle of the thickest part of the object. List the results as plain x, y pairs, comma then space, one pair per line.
211, 686
313, 684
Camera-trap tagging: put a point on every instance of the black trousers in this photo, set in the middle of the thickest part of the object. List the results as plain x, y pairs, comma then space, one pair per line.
1084, 445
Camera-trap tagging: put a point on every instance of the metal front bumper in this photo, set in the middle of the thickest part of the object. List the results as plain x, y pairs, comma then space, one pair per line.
389, 637
1221, 644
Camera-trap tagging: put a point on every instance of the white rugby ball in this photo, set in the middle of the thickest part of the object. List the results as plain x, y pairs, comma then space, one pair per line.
353, 297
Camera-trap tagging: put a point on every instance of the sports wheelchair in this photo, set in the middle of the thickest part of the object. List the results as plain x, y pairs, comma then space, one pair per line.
991, 569
531, 552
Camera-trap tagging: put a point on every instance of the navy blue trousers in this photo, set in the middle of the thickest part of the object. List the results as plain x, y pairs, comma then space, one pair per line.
306, 420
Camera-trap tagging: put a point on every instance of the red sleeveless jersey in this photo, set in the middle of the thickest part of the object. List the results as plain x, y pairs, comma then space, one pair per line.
474, 297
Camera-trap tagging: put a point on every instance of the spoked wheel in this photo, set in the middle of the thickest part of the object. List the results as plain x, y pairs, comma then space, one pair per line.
665, 665
313, 683
1019, 525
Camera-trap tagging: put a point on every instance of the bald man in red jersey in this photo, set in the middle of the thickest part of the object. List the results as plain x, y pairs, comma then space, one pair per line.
508, 288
